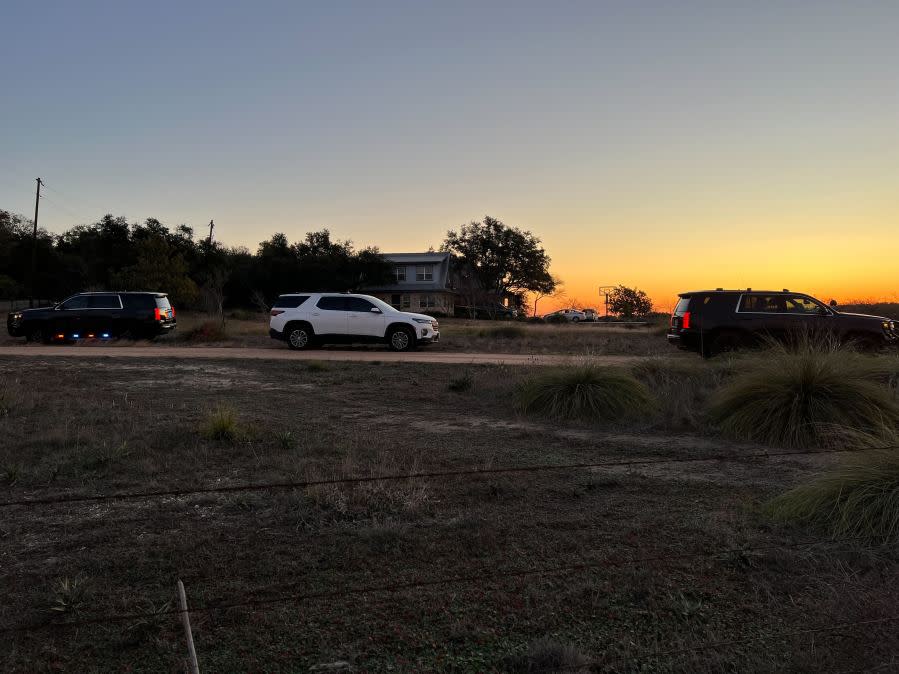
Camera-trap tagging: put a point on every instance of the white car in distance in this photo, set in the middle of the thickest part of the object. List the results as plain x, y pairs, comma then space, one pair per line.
572, 315
309, 319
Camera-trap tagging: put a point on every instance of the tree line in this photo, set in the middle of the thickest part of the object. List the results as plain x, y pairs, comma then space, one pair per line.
115, 254
491, 261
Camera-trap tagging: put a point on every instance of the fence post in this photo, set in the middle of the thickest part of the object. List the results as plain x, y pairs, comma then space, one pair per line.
185, 620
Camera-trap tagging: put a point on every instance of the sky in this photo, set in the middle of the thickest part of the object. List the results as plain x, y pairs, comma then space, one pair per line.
668, 146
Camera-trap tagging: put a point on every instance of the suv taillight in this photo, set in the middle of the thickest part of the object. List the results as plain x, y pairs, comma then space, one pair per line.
685, 320
156, 313
276, 312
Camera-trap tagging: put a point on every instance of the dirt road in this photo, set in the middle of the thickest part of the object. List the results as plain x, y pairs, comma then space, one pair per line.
365, 355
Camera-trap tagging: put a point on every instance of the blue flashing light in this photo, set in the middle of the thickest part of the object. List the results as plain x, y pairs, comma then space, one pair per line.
75, 335
105, 335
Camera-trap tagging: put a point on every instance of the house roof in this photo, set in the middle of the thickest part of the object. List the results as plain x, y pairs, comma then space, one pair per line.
409, 287
410, 258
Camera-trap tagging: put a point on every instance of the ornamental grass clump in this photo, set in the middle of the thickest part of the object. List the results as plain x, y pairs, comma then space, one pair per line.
858, 498
585, 392
796, 395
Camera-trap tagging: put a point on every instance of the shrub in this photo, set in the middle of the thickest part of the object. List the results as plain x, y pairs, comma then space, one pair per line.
245, 315
857, 498
208, 331
549, 655
585, 392
461, 383
221, 424
795, 396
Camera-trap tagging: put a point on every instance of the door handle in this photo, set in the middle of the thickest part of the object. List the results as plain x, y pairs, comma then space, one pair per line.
315, 313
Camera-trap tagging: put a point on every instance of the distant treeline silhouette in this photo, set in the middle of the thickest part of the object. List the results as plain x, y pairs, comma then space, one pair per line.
113, 254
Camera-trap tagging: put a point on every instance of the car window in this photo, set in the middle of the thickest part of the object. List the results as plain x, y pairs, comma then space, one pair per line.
138, 301
802, 305
104, 302
681, 307
332, 303
290, 301
359, 304
772, 304
79, 302
163, 302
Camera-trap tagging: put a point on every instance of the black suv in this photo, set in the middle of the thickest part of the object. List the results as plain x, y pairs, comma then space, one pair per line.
714, 321
102, 315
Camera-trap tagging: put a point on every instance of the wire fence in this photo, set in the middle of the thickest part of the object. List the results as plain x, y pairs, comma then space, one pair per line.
287, 594
423, 475
265, 598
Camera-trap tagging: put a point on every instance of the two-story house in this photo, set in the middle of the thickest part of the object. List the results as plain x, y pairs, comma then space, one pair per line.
421, 283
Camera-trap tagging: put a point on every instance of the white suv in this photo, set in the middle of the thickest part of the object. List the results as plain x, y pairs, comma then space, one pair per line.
305, 319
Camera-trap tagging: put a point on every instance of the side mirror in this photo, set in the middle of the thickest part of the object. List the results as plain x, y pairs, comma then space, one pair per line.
375, 310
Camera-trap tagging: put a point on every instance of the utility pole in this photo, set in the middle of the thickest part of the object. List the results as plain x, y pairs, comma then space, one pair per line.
211, 227
37, 203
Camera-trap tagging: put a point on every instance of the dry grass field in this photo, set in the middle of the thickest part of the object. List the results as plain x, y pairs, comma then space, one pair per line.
629, 568
244, 329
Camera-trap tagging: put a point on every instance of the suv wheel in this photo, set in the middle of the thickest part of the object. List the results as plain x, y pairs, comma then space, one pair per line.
299, 337
726, 341
400, 339
35, 334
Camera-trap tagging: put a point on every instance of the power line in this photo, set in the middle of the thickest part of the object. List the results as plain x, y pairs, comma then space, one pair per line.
78, 200
61, 207
411, 585
726, 458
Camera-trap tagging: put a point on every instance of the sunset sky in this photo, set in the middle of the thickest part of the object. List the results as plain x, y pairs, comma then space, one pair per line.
669, 146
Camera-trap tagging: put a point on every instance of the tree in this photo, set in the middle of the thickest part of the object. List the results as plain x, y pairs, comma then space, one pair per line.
161, 268
500, 260
629, 302
551, 289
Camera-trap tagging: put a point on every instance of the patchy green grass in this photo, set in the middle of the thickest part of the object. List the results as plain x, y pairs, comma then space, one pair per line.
585, 392
461, 383
221, 424
797, 396
503, 332
317, 366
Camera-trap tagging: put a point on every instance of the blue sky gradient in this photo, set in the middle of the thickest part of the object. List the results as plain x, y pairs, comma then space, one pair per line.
621, 133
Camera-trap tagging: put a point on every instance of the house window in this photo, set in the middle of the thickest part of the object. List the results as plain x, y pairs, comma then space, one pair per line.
424, 273
427, 301
395, 301
407, 301
399, 273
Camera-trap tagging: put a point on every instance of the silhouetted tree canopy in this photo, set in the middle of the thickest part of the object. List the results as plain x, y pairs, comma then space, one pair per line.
501, 259
629, 302
113, 254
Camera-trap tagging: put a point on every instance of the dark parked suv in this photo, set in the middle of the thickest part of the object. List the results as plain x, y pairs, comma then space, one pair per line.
103, 315
713, 321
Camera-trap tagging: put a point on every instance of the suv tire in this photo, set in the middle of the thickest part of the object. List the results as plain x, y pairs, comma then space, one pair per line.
400, 338
298, 336
726, 341
36, 334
